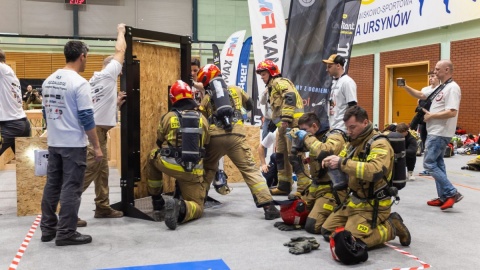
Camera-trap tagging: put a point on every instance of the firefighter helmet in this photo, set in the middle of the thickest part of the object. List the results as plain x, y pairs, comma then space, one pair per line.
207, 73
294, 213
346, 248
270, 66
180, 90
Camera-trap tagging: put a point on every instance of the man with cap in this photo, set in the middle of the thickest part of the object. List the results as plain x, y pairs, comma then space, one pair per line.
343, 93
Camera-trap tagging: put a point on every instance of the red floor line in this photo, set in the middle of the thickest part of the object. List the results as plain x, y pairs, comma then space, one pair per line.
457, 184
24, 245
423, 264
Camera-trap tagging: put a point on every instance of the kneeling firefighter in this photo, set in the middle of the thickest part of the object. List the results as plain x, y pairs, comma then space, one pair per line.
181, 137
367, 165
222, 106
322, 197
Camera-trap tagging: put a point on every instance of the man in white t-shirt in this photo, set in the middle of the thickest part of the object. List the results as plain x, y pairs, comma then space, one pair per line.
104, 98
343, 93
68, 110
441, 122
13, 121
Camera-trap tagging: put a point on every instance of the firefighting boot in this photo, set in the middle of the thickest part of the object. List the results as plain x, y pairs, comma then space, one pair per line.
400, 229
271, 212
175, 211
158, 202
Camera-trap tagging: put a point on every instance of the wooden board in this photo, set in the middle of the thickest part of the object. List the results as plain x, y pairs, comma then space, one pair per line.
29, 186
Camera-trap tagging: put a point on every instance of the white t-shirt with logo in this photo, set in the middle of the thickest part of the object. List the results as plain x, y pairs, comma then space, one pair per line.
65, 93
448, 98
10, 95
344, 90
104, 94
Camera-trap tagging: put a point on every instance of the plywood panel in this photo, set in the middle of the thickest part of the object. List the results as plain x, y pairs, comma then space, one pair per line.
253, 140
159, 68
29, 186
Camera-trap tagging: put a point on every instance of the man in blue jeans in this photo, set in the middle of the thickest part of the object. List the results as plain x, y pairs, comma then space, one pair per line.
441, 119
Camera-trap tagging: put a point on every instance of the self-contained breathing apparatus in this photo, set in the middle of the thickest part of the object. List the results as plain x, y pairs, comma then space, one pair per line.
188, 152
399, 176
224, 115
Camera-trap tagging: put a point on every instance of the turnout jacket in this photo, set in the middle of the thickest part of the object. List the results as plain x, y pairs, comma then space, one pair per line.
333, 144
362, 170
286, 103
238, 99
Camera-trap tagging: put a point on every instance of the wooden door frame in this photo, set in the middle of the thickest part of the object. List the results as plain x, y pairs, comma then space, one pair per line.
389, 82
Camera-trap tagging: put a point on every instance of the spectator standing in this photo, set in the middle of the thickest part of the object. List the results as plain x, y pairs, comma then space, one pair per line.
68, 110
441, 122
104, 98
343, 93
13, 121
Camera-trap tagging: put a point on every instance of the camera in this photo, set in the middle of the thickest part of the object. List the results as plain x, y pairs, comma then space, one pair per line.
418, 118
400, 82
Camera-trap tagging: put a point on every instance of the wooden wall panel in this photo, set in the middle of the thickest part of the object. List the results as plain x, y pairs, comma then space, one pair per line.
19, 59
37, 65
159, 68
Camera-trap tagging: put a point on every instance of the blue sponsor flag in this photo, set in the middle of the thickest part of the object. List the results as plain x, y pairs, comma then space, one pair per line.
243, 62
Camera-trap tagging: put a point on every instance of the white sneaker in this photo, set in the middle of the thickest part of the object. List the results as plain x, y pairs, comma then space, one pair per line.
411, 177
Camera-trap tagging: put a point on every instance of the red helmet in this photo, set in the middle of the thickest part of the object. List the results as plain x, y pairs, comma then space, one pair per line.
268, 65
207, 73
180, 90
294, 213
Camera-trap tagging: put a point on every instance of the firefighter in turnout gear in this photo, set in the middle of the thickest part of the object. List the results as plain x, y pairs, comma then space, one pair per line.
181, 136
321, 198
287, 108
367, 212
222, 106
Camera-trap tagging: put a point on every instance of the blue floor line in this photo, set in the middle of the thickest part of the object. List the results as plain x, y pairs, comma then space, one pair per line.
198, 265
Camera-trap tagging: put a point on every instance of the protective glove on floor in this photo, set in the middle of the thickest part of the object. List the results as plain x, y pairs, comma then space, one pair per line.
285, 227
301, 245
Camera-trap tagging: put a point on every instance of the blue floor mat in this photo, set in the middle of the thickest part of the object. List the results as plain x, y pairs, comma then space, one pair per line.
199, 265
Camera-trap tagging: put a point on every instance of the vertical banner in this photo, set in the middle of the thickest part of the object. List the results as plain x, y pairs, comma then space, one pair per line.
242, 73
230, 56
347, 34
216, 56
268, 28
313, 34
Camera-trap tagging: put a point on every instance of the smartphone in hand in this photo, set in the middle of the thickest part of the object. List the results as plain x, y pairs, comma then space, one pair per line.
400, 82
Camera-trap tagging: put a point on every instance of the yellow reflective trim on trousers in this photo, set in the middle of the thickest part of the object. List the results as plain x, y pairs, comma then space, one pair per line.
193, 209
155, 183
360, 170
366, 204
313, 189
179, 168
382, 229
259, 187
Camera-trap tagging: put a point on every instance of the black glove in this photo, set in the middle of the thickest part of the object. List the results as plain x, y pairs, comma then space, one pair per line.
300, 245
285, 227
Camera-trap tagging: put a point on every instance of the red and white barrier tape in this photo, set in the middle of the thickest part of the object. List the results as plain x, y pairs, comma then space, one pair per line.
24, 245
424, 265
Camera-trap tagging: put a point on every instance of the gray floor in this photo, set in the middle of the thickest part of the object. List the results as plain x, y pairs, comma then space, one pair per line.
237, 233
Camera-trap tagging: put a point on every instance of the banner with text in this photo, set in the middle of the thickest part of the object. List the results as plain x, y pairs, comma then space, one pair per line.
242, 74
216, 56
347, 32
313, 35
379, 19
230, 55
268, 28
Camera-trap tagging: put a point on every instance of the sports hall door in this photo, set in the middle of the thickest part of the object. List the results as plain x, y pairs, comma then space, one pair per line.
403, 105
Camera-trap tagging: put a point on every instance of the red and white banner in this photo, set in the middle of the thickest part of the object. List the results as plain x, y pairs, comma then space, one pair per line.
230, 56
267, 22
